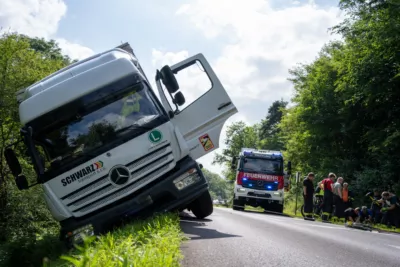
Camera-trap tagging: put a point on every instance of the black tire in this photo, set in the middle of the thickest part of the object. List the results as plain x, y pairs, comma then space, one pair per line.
278, 208
238, 205
202, 206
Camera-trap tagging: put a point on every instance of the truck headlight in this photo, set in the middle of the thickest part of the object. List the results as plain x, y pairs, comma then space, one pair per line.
241, 190
278, 194
86, 230
188, 178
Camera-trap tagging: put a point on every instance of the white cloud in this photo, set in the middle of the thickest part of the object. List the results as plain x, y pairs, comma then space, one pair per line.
261, 43
266, 41
39, 18
74, 50
32, 17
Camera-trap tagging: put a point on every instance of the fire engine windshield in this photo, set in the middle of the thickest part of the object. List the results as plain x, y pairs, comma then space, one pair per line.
129, 113
262, 165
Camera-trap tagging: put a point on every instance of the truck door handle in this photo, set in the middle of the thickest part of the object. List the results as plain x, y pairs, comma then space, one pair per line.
224, 105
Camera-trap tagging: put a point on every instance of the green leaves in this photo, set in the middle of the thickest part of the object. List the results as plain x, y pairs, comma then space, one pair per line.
24, 217
346, 112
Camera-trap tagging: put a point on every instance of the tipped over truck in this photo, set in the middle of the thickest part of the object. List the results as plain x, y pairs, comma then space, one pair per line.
103, 146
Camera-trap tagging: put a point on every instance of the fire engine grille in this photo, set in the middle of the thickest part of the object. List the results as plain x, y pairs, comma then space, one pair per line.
260, 185
102, 192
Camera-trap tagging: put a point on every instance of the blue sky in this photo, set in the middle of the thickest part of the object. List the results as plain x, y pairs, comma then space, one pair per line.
251, 45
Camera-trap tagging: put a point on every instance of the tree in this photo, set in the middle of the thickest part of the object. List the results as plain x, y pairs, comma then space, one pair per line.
346, 113
48, 49
269, 130
218, 186
239, 135
20, 66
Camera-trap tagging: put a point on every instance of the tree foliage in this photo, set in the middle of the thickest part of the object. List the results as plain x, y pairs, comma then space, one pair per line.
23, 215
345, 115
219, 188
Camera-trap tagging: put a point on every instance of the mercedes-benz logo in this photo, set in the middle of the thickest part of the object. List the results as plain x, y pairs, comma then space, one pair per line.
260, 183
119, 175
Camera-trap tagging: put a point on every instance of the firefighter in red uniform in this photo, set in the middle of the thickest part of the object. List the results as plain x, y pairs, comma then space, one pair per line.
327, 204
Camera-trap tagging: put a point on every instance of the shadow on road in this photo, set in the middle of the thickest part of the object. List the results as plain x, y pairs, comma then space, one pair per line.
198, 230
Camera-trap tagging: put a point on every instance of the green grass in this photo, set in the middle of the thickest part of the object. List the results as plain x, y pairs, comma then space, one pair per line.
153, 242
290, 208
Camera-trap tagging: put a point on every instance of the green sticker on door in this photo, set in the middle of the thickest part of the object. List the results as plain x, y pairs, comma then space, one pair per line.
155, 136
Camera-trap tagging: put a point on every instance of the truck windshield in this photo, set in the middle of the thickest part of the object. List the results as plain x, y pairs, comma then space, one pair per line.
108, 124
262, 165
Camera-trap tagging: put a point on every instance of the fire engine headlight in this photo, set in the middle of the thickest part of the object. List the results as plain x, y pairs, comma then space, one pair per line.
241, 190
187, 179
278, 194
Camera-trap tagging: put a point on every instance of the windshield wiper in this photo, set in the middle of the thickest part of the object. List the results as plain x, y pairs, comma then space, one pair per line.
134, 126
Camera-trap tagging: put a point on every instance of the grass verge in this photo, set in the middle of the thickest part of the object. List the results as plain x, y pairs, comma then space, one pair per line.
152, 242
290, 210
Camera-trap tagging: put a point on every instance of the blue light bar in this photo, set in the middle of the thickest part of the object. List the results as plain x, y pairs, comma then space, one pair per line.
269, 187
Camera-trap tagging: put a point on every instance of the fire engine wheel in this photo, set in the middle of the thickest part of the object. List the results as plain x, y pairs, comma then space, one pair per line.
238, 204
202, 206
278, 208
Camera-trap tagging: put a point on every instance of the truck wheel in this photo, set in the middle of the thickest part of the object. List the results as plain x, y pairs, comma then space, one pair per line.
238, 205
279, 208
202, 206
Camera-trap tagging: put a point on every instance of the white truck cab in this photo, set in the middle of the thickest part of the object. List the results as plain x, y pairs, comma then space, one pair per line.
104, 146
260, 179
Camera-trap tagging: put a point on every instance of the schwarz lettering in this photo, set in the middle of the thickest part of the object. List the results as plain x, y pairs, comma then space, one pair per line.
86, 172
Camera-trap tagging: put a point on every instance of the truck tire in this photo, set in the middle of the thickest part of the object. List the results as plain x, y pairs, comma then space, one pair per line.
279, 208
202, 206
236, 203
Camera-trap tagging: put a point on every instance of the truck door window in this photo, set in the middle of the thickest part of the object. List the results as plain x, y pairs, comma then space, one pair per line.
193, 82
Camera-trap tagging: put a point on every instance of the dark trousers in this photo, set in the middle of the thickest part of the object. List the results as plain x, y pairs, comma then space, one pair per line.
339, 206
376, 215
392, 217
308, 205
327, 204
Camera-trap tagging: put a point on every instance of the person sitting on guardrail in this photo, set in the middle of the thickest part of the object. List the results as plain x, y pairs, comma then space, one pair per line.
351, 215
391, 210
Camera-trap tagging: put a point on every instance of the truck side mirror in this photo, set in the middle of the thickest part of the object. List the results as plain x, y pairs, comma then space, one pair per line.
289, 168
233, 163
21, 182
12, 161
169, 80
179, 99
200, 166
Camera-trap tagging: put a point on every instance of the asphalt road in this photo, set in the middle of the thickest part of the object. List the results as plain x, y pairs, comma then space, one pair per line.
234, 238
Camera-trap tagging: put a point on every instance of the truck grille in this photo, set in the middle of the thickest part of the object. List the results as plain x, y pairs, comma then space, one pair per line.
101, 192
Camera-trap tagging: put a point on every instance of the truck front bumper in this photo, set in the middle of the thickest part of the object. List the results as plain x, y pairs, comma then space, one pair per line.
159, 196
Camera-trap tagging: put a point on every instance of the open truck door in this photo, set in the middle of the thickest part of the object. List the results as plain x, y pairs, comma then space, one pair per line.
200, 122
